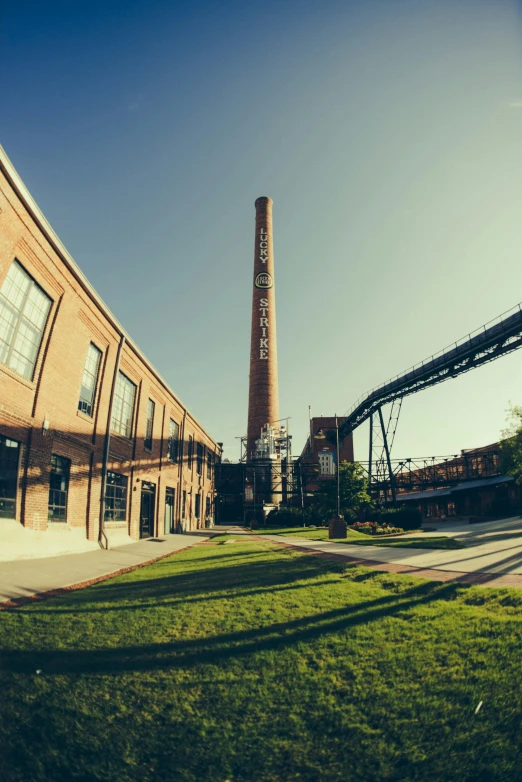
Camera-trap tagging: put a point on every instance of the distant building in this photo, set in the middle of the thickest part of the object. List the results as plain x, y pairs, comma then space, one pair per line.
469, 485
318, 459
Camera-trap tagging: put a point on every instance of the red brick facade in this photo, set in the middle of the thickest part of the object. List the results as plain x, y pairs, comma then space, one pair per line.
320, 441
77, 318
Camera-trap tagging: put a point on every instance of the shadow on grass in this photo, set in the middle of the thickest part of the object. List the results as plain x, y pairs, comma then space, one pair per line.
182, 653
200, 579
498, 564
181, 601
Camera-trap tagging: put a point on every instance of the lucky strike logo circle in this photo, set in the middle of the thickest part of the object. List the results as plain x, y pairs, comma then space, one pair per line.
263, 280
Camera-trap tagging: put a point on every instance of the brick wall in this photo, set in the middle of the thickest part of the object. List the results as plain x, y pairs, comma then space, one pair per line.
78, 317
263, 394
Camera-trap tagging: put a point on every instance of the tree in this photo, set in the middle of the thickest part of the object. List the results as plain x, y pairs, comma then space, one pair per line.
511, 446
353, 491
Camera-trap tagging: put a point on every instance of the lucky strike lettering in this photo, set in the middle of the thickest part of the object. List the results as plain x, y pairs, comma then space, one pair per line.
263, 245
263, 303
263, 322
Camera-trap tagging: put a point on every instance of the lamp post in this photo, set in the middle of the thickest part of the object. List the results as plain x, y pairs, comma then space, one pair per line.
337, 468
337, 526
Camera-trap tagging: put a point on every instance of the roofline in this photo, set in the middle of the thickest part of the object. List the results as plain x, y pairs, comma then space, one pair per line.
42, 223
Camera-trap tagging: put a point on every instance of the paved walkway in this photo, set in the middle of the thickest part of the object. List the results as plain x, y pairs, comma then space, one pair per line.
29, 577
492, 555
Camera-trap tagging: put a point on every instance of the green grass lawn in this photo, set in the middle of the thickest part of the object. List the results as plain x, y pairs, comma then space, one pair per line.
359, 539
254, 663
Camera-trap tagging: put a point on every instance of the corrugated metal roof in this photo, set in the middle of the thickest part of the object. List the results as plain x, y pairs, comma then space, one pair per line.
483, 482
433, 494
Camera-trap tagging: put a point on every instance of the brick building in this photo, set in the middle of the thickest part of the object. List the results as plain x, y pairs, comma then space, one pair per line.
94, 445
468, 485
318, 460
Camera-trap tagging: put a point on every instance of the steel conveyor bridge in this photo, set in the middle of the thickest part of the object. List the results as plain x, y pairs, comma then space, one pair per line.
495, 339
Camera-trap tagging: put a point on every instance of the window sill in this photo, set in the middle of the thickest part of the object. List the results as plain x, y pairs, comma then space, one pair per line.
121, 438
85, 417
16, 376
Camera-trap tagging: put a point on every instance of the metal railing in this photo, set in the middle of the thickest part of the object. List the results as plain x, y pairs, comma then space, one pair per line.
492, 340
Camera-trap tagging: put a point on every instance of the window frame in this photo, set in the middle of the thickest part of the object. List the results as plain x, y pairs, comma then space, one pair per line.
128, 436
33, 285
199, 458
209, 464
149, 438
190, 451
51, 517
173, 457
13, 500
114, 497
197, 505
96, 379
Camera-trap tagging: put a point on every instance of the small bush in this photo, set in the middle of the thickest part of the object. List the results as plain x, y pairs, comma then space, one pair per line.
285, 517
407, 518
375, 528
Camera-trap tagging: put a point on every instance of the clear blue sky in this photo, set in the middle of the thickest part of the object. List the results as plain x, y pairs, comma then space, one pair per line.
389, 135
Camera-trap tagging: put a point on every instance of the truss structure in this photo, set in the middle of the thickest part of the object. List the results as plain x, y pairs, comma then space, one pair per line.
432, 472
294, 481
488, 343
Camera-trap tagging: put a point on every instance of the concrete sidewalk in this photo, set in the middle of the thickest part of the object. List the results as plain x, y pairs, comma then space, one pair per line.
492, 558
34, 576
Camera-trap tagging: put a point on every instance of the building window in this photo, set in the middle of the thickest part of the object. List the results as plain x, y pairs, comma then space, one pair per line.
24, 308
9, 460
89, 380
184, 504
199, 459
149, 425
207, 508
197, 506
116, 497
190, 454
326, 463
209, 464
123, 406
172, 450
58, 488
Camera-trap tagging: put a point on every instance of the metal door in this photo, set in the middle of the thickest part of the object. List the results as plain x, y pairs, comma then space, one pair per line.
148, 494
169, 511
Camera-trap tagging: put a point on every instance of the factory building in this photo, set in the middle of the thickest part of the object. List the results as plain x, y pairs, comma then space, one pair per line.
318, 460
94, 445
469, 485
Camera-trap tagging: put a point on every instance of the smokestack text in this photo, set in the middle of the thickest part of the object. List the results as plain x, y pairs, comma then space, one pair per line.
263, 245
263, 322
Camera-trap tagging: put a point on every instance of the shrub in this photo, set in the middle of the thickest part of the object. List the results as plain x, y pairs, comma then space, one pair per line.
375, 528
407, 518
285, 517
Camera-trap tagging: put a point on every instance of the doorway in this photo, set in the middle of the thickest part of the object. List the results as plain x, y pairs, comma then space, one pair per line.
148, 495
169, 510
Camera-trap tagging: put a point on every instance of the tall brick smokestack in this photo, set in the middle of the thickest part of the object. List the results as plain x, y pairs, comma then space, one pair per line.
263, 402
